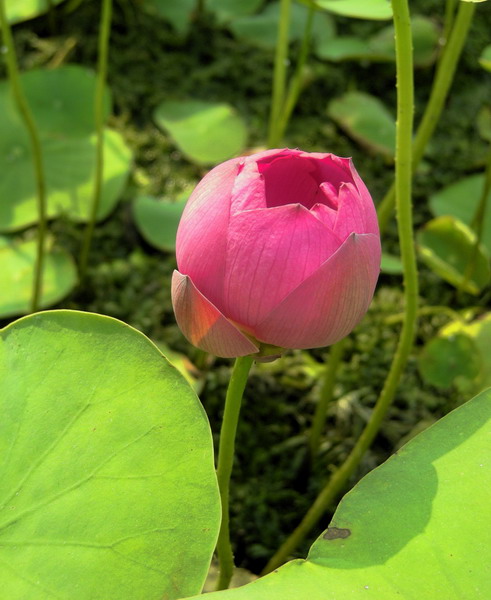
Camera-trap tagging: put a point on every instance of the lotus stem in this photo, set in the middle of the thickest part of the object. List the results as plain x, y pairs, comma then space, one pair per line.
37, 156
405, 107
438, 95
226, 450
279, 75
103, 51
325, 397
295, 85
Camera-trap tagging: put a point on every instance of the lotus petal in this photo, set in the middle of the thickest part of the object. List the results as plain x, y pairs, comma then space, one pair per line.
327, 305
203, 324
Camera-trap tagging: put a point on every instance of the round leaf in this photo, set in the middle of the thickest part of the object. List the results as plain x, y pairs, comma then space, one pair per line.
391, 264
157, 220
108, 486
366, 119
416, 527
444, 359
447, 246
178, 13
485, 58
62, 105
361, 9
22, 10
460, 200
262, 29
17, 261
206, 132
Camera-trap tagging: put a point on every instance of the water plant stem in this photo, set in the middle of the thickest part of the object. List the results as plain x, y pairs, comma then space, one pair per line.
438, 95
103, 51
405, 104
37, 156
325, 397
226, 448
295, 85
279, 74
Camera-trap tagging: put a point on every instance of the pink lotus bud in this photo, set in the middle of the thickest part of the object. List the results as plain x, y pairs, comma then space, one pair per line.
281, 248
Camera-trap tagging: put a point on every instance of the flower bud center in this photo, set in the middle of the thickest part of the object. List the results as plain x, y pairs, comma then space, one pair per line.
293, 179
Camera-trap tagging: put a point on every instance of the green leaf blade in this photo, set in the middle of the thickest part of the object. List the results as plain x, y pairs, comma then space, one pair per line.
108, 487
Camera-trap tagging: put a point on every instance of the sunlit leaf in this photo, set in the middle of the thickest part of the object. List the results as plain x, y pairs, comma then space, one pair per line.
22, 10
62, 104
447, 246
179, 13
361, 9
262, 29
227, 10
391, 264
157, 220
206, 132
445, 358
485, 58
107, 483
416, 527
366, 119
460, 200
17, 260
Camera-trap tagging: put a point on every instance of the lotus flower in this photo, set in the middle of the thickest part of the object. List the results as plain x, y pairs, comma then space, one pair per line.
278, 248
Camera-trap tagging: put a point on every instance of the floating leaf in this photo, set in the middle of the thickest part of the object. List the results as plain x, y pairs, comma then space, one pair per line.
226, 10
460, 200
445, 358
179, 13
391, 264
23, 10
262, 29
446, 245
483, 122
62, 104
485, 58
108, 486
381, 48
361, 9
207, 132
157, 220
416, 527
479, 331
17, 261
366, 119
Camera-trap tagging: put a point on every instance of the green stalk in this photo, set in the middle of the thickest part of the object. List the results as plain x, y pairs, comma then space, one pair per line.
279, 75
450, 6
103, 51
233, 401
325, 397
405, 103
295, 86
438, 95
37, 157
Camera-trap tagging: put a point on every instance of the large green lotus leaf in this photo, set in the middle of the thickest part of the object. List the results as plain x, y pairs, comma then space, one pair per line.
380, 47
62, 104
17, 260
361, 9
366, 119
447, 246
460, 200
206, 132
22, 10
446, 358
391, 264
485, 58
479, 331
262, 29
69, 168
176, 12
157, 220
415, 528
107, 479
227, 10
